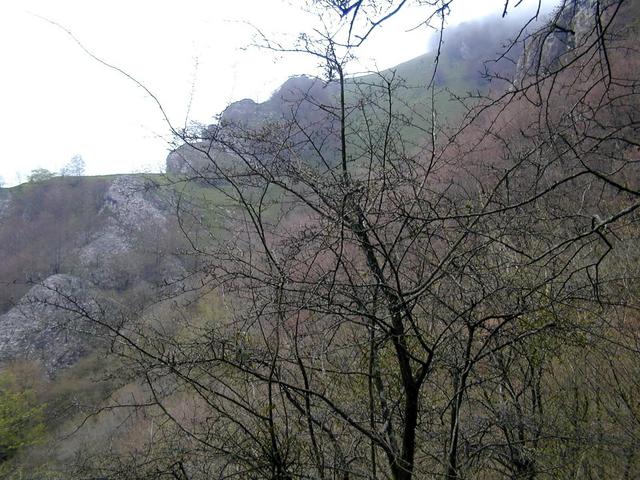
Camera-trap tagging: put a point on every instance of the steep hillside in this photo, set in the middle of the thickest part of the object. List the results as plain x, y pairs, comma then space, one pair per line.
114, 232
468, 312
78, 238
469, 54
43, 225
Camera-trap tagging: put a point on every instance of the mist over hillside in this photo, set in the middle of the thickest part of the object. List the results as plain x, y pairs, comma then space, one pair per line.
470, 60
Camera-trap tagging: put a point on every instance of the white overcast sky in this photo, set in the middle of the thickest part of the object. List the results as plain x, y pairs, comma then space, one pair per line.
56, 102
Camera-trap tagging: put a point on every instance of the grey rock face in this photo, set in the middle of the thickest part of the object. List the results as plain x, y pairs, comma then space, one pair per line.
300, 109
190, 161
5, 203
300, 97
127, 251
51, 324
99, 258
132, 205
569, 27
243, 111
133, 211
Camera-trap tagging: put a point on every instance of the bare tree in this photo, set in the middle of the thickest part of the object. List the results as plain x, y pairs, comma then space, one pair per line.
75, 167
385, 308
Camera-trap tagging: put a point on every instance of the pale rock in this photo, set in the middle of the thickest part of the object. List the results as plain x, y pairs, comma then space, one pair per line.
544, 50
54, 324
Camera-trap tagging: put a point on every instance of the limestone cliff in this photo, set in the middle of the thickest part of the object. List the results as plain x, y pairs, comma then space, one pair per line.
570, 26
52, 324
134, 214
68, 249
191, 160
302, 98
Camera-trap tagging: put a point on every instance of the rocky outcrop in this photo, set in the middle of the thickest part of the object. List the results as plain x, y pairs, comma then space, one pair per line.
245, 111
301, 96
5, 202
303, 99
136, 215
191, 160
54, 324
134, 204
123, 246
568, 28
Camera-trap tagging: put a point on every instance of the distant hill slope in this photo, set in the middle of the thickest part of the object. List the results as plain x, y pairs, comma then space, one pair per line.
461, 69
115, 241
113, 232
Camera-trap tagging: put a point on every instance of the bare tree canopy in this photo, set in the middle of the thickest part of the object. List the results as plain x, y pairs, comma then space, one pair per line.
385, 291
